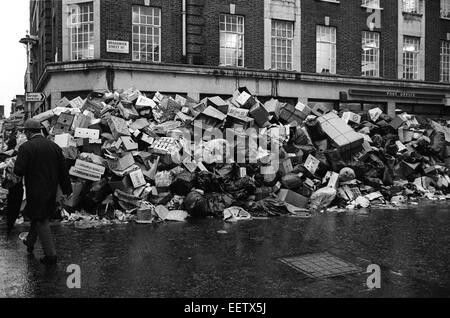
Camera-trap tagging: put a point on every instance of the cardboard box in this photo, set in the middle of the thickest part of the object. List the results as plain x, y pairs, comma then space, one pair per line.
90, 167
129, 144
84, 174
397, 122
286, 166
63, 124
218, 103
64, 102
128, 111
122, 163
64, 141
118, 127
210, 118
351, 117
137, 178
77, 102
259, 114
86, 133
293, 198
375, 114
333, 179
312, 164
290, 113
341, 134
144, 102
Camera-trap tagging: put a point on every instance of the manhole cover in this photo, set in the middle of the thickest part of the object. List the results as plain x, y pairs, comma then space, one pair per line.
321, 265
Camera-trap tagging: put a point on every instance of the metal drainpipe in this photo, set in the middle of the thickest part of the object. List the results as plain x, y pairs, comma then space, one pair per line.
184, 27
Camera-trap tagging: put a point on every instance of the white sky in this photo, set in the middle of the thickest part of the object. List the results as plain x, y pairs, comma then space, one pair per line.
14, 22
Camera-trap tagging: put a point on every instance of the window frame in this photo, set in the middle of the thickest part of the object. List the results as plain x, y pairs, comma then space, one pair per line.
77, 26
377, 49
224, 33
444, 64
445, 9
414, 9
412, 57
289, 41
155, 32
332, 52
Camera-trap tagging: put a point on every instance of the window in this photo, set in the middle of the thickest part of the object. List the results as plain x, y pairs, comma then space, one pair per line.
370, 54
81, 29
411, 48
231, 40
326, 50
282, 39
445, 61
371, 3
411, 6
445, 9
146, 34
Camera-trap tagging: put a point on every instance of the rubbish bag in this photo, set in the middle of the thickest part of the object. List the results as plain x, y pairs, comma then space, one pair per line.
183, 183
291, 182
322, 198
196, 205
207, 182
235, 214
347, 174
218, 202
240, 189
268, 207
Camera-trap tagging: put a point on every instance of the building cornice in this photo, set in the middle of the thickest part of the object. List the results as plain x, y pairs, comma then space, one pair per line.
83, 66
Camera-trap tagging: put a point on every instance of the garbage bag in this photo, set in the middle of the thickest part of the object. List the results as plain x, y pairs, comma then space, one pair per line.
240, 189
183, 183
347, 174
218, 202
207, 182
291, 182
322, 198
268, 207
196, 205
235, 214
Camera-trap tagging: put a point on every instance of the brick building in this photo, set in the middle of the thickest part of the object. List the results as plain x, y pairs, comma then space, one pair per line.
346, 54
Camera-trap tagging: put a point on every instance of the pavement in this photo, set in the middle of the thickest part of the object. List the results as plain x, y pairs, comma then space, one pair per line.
209, 258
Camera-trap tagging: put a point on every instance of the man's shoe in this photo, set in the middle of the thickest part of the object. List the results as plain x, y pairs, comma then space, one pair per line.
30, 248
49, 260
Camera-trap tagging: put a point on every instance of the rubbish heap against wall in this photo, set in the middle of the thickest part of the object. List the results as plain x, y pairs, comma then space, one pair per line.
157, 158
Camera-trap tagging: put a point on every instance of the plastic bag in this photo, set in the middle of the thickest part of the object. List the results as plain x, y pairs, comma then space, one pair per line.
240, 189
322, 198
207, 182
291, 182
268, 207
218, 202
235, 214
347, 174
183, 183
196, 205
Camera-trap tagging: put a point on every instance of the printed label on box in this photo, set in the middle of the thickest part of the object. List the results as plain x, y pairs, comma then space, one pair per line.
86, 133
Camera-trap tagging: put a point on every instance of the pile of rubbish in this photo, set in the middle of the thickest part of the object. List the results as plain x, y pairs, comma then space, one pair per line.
154, 158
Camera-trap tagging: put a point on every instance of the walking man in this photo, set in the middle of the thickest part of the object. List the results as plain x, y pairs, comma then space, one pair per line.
41, 162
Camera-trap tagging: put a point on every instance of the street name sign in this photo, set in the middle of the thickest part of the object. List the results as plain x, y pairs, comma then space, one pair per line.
35, 97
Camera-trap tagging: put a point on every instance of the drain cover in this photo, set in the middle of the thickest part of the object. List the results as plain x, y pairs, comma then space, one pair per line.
321, 265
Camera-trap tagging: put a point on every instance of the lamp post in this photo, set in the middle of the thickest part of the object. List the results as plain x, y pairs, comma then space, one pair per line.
29, 41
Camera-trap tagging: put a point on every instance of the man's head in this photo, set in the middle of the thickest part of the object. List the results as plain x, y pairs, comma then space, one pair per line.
32, 127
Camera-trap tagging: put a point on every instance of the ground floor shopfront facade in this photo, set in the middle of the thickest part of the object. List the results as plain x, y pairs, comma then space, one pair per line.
341, 93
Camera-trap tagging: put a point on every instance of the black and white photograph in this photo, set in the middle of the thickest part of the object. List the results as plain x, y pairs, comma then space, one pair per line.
224, 154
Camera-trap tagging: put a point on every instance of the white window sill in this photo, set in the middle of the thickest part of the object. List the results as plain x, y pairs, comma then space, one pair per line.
371, 7
445, 18
330, 1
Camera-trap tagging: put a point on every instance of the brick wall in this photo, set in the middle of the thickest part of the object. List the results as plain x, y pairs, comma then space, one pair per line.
116, 24
436, 30
350, 20
204, 34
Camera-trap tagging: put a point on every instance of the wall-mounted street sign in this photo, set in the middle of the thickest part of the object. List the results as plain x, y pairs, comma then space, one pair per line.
396, 94
118, 46
35, 97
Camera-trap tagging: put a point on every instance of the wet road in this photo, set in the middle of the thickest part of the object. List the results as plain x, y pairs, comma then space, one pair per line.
193, 260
